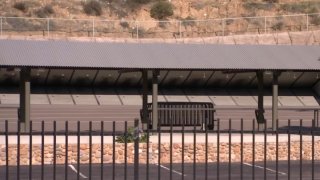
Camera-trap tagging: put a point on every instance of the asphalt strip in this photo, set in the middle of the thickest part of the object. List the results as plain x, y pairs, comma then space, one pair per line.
260, 167
75, 170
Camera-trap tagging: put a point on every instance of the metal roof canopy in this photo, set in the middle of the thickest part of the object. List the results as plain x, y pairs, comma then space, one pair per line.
105, 55
81, 55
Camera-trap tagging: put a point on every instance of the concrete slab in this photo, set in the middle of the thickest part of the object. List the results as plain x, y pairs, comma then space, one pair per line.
267, 100
199, 98
244, 100
129, 99
130, 96
84, 99
175, 95
290, 101
161, 98
308, 100
108, 99
266, 39
60, 99
39, 99
246, 39
222, 100
301, 38
9, 98
283, 38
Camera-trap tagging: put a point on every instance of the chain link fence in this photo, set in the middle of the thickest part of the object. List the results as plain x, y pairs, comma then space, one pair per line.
52, 27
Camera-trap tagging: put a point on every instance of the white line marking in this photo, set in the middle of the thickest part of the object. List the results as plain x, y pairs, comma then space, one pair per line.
271, 170
166, 168
74, 169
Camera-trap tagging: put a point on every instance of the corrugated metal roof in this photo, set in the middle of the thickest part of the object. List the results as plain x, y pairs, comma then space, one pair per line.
66, 54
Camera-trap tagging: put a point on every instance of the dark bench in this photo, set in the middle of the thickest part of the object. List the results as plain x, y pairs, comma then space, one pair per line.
183, 114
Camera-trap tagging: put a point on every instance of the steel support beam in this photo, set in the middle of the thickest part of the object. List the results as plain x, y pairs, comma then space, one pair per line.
275, 100
24, 108
260, 111
155, 82
145, 91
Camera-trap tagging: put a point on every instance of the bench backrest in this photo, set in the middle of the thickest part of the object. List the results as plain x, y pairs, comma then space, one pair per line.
183, 113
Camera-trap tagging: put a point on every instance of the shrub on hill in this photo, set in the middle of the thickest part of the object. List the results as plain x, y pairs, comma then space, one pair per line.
141, 1
22, 6
45, 12
93, 8
161, 10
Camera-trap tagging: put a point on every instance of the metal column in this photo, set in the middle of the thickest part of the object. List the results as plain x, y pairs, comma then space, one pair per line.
155, 82
145, 91
260, 111
24, 108
275, 100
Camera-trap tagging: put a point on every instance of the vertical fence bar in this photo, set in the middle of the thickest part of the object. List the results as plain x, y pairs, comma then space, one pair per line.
289, 149
136, 150
1, 24
7, 149
137, 28
48, 27
78, 150
253, 147
30, 150
307, 24
312, 149
125, 148
171, 150
159, 151
194, 151
42, 150
277, 150
18, 151
229, 151
66, 149
223, 28
301, 147
54, 149
90, 150
113, 150
206, 155
148, 151
218, 149
265, 150
182, 149
93, 27
101, 150
241, 149
265, 25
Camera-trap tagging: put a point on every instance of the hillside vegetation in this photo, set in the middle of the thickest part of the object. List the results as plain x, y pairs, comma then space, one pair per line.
140, 9
126, 12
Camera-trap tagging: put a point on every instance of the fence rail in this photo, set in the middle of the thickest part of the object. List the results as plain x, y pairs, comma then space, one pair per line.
53, 27
129, 153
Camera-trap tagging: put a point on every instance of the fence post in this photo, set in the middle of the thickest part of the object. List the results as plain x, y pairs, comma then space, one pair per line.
136, 149
1, 26
180, 33
307, 22
265, 25
223, 22
137, 27
48, 26
93, 28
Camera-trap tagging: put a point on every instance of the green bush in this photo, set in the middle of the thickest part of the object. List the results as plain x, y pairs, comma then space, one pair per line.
93, 8
161, 10
271, 1
141, 1
45, 12
188, 21
130, 137
22, 6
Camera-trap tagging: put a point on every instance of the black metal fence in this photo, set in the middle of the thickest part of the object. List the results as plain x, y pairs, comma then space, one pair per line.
127, 152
